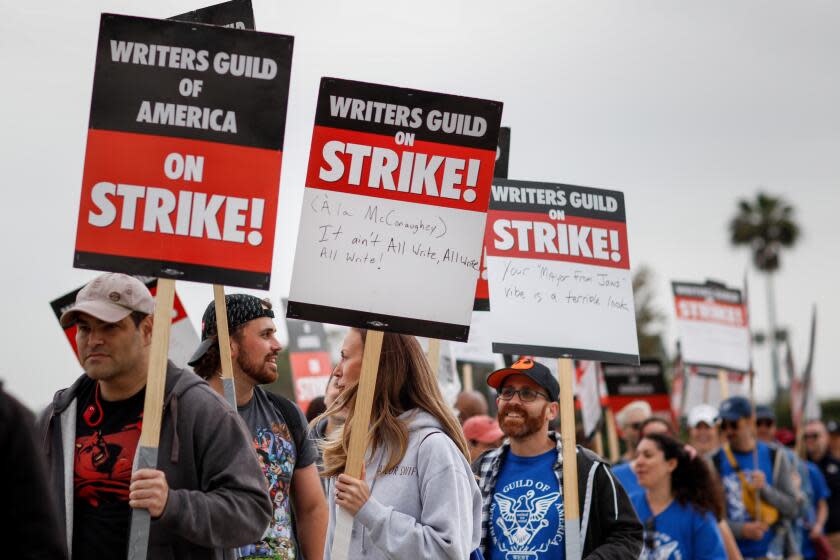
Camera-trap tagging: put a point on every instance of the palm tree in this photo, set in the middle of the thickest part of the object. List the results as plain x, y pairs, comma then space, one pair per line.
766, 224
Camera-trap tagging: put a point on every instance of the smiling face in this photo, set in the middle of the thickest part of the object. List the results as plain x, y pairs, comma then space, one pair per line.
109, 351
349, 367
650, 466
703, 438
254, 350
519, 419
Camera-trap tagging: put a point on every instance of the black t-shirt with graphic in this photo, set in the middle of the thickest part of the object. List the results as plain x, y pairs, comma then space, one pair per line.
106, 439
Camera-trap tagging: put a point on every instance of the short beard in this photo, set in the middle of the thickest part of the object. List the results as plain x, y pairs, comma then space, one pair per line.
256, 370
531, 425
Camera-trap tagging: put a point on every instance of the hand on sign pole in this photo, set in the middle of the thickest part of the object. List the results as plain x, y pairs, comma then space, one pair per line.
759, 481
148, 490
351, 493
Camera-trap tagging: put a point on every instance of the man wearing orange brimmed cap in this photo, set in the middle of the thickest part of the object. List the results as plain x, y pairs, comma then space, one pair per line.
522, 485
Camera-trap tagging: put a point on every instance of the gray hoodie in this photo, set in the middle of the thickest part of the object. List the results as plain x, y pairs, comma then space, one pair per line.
429, 506
218, 498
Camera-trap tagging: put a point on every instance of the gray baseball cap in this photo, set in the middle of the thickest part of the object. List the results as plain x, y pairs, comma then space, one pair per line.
110, 297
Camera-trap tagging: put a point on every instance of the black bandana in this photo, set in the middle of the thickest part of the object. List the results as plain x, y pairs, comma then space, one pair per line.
241, 308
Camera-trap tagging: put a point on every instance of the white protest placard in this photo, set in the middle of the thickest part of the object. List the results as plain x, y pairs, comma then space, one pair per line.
559, 264
479, 348
394, 209
589, 396
712, 325
702, 386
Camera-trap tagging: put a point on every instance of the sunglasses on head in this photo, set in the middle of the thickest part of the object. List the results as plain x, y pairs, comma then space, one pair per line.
650, 534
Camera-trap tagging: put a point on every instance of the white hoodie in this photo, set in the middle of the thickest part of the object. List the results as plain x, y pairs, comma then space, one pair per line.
429, 506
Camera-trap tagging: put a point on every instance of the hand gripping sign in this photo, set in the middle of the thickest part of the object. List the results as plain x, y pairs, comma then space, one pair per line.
183, 154
394, 209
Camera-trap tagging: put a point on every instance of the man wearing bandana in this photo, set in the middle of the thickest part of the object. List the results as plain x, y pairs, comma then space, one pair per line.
277, 427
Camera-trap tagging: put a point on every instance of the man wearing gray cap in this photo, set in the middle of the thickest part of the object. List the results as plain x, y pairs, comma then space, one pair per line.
276, 425
206, 495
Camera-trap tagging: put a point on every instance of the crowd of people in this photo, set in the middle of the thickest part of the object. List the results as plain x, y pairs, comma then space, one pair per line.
263, 481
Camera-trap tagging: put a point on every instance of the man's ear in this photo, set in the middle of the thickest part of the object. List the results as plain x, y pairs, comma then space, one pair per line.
553, 410
146, 329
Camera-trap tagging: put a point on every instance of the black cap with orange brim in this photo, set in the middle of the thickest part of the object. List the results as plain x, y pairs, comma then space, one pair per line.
530, 368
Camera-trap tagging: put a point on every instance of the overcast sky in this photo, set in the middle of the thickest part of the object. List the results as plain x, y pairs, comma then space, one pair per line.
684, 106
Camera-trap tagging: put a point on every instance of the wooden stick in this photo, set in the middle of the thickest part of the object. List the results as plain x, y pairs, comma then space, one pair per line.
147, 448
358, 438
224, 344
571, 507
467, 374
433, 355
612, 436
723, 380
599, 443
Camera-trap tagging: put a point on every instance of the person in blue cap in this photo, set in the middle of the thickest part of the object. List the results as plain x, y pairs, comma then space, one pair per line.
758, 481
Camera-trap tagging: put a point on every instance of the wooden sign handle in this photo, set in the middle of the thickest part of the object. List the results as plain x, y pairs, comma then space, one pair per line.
571, 506
468, 377
612, 436
358, 437
433, 355
723, 380
147, 448
224, 344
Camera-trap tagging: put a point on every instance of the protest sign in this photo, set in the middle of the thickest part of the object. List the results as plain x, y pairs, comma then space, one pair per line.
394, 209
309, 358
238, 14
183, 339
712, 325
703, 385
589, 396
479, 348
559, 266
443, 364
482, 290
183, 152
645, 382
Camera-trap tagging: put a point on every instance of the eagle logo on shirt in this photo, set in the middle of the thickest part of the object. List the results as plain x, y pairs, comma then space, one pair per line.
522, 518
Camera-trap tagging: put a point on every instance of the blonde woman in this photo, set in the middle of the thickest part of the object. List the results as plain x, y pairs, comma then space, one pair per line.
417, 497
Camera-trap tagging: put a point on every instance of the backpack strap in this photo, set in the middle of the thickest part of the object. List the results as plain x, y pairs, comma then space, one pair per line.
291, 416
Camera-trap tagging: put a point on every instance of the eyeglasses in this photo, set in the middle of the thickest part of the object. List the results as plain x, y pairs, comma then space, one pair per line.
650, 534
764, 423
525, 395
729, 425
811, 436
636, 425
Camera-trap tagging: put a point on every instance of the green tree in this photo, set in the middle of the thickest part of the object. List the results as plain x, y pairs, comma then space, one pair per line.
649, 318
766, 225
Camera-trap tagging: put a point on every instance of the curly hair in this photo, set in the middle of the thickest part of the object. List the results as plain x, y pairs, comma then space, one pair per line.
211, 362
692, 481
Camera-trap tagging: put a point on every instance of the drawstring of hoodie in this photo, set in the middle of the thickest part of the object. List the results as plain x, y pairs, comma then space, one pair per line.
176, 445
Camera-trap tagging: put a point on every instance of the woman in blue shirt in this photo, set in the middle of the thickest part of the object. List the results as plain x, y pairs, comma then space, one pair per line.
680, 502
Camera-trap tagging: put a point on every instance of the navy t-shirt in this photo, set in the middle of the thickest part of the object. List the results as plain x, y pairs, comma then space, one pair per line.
819, 492
680, 532
735, 508
527, 510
